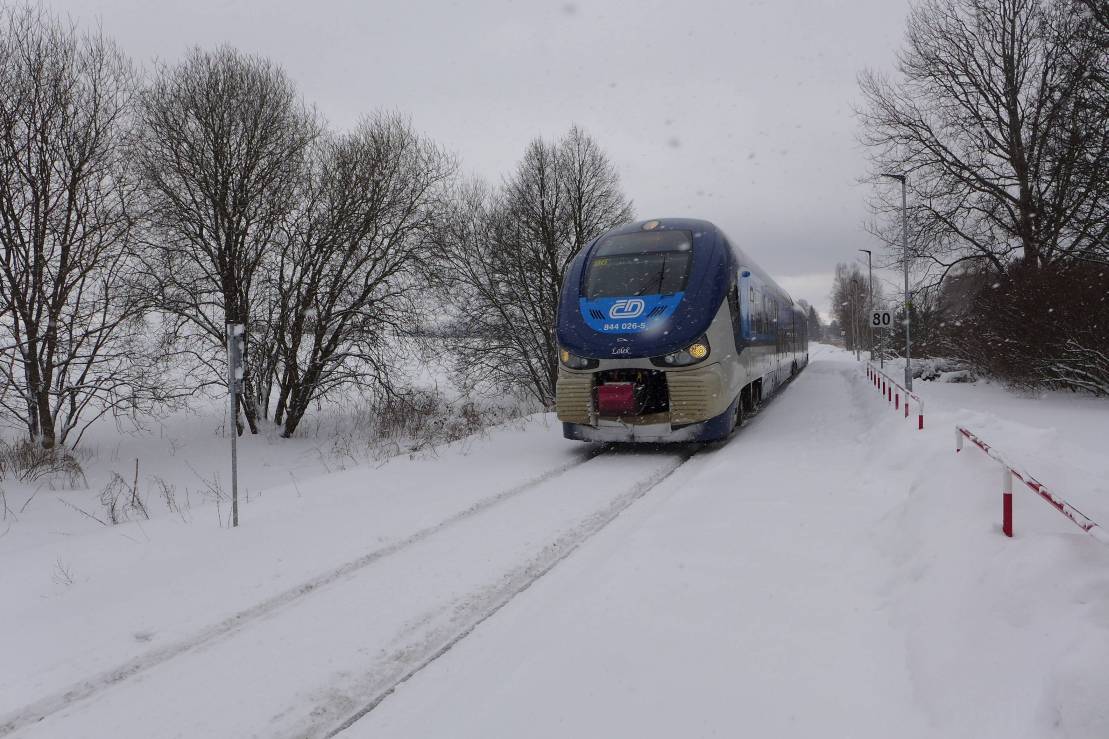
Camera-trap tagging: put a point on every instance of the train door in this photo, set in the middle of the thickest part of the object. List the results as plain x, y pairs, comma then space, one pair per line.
775, 339
746, 307
736, 315
751, 326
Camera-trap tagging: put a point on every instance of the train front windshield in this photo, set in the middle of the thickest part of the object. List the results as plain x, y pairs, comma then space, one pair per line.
647, 263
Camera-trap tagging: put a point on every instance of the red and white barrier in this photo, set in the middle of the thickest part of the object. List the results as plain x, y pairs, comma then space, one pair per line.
1008, 472
896, 393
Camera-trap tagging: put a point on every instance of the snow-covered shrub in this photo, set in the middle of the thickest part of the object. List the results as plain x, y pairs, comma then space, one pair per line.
934, 368
412, 422
1043, 326
1080, 364
121, 500
28, 462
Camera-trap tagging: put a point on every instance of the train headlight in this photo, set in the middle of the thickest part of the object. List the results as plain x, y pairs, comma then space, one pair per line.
692, 354
573, 361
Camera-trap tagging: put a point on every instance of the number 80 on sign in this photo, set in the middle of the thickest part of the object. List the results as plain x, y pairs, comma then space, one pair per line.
881, 319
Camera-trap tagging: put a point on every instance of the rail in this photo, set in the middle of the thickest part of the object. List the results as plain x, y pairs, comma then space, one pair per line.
1010, 471
894, 392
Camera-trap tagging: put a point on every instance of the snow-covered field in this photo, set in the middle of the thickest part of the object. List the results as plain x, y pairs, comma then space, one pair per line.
830, 571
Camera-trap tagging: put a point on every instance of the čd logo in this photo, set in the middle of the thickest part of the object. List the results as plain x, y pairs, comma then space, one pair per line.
626, 308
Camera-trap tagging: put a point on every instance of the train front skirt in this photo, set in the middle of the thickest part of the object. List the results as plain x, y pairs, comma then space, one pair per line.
615, 430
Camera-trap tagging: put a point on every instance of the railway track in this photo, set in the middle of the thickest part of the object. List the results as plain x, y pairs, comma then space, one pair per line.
508, 587
376, 691
92, 686
518, 581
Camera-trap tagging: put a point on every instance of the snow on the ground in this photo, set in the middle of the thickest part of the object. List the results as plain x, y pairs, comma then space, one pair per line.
741, 601
146, 585
831, 571
1061, 437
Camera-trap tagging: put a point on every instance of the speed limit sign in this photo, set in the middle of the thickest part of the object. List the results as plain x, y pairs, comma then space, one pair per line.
881, 319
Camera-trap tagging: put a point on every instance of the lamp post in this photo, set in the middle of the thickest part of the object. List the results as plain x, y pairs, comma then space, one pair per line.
855, 313
905, 266
870, 301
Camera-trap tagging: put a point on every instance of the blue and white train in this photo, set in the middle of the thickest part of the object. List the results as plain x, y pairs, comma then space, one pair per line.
669, 333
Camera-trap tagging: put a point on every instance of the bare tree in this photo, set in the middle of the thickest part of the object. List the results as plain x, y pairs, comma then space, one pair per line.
71, 338
353, 254
850, 301
992, 120
1099, 12
506, 252
1088, 57
222, 144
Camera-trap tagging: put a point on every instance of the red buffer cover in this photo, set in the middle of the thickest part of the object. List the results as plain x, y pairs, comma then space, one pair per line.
617, 399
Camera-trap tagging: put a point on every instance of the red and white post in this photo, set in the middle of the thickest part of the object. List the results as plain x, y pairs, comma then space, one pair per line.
1007, 501
1010, 474
897, 395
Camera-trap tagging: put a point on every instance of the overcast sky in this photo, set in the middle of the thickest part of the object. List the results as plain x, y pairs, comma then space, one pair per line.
737, 112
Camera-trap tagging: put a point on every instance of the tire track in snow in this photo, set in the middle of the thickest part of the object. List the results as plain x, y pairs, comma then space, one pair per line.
38, 710
482, 606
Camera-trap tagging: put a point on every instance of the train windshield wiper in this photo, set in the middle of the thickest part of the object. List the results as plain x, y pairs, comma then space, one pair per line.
662, 272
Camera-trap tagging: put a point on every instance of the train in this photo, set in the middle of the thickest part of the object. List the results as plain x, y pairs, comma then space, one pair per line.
669, 332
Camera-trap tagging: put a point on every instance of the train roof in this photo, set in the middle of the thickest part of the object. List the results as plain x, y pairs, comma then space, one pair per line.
696, 225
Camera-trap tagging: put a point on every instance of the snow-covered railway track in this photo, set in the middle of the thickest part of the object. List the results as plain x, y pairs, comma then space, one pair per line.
424, 634
375, 688
93, 685
381, 686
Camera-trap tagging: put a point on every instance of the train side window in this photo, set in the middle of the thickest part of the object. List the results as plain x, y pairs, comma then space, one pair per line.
776, 327
733, 308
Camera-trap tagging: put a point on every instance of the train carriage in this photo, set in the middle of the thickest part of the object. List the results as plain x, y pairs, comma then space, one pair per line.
670, 333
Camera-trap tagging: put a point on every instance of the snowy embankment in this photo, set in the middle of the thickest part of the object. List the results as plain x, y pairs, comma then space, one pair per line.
830, 571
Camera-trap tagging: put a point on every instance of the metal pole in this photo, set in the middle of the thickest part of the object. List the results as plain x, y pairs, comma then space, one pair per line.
870, 300
232, 387
882, 351
870, 303
855, 313
905, 265
905, 268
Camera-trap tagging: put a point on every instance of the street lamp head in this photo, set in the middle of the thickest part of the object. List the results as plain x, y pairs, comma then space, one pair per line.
894, 176
868, 251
